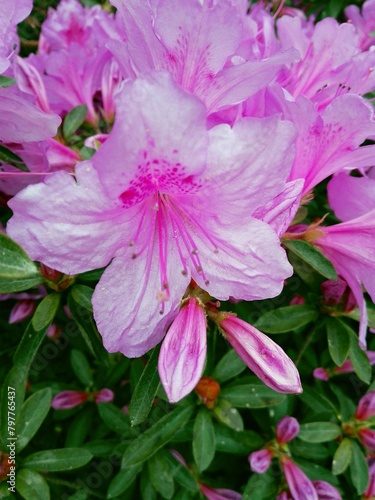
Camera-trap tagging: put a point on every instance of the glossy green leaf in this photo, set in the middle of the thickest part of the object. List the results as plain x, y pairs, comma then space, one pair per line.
226, 414
145, 390
122, 481
14, 262
313, 257
115, 419
338, 341
342, 457
359, 469
203, 440
148, 443
237, 442
31, 485
82, 294
32, 414
228, 367
261, 487
316, 472
161, 476
58, 460
358, 357
7, 156
254, 395
6, 81
12, 285
80, 428
286, 319
147, 490
81, 367
45, 312
182, 475
319, 432
74, 120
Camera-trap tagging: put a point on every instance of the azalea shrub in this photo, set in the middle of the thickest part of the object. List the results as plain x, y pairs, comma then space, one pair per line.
187, 242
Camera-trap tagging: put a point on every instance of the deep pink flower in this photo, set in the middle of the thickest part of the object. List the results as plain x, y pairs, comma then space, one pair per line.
163, 200
367, 438
350, 247
261, 354
22, 310
370, 490
366, 406
183, 352
337, 292
66, 400
321, 374
287, 429
219, 493
104, 396
299, 484
260, 460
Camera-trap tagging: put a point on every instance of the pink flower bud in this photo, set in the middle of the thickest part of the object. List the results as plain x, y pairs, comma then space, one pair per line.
366, 406
287, 429
260, 460
336, 292
299, 484
367, 438
23, 309
284, 495
183, 352
326, 491
321, 374
68, 399
53, 331
297, 300
262, 355
370, 490
219, 493
104, 396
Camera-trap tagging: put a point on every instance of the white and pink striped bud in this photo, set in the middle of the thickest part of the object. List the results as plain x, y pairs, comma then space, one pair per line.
23, 309
260, 460
367, 438
66, 400
287, 429
366, 406
183, 352
261, 354
326, 491
299, 484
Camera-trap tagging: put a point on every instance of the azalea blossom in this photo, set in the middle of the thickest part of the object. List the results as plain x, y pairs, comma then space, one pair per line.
162, 201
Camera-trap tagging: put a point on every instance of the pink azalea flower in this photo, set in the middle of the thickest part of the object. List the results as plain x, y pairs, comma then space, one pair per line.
154, 200
299, 484
12, 12
350, 197
219, 493
366, 407
194, 41
326, 491
260, 460
364, 22
261, 354
350, 247
287, 429
183, 352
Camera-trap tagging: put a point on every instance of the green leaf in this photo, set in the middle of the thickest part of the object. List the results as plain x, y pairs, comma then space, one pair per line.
87, 153
359, 469
101, 447
81, 367
58, 460
356, 314
358, 357
147, 490
181, 474
236, 442
161, 475
319, 432
45, 312
14, 381
7, 156
261, 487
5, 494
14, 262
253, 395
31, 485
79, 428
74, 120
226, 414
12, 285
228, 367
342, 456
85, 321
115, 419
309, 451
122, 481
5, 81
313, 257
317, 472
148, 443
203, 440
33, 412
317, 401
82, 294
287, 318
347, 405
338, 341
145, 390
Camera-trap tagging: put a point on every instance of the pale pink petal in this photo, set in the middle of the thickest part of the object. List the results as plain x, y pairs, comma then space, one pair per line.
287, 429
22, 310
260, 460
350, 197
183, 352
